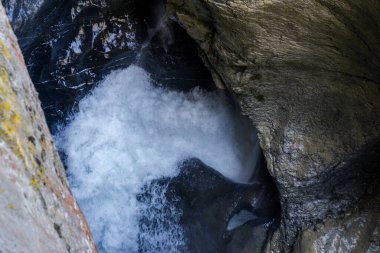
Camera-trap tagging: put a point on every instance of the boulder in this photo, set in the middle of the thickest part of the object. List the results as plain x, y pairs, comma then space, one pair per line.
216, 214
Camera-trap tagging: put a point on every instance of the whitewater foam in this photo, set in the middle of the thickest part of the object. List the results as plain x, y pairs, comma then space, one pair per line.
128, 132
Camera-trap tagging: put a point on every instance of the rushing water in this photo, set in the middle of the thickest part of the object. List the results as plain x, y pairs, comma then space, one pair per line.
126, 139
128, 132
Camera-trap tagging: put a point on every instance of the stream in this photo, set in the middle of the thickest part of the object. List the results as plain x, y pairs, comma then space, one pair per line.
158, 158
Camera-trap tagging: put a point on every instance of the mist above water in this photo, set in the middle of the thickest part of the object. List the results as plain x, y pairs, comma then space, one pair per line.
128, 132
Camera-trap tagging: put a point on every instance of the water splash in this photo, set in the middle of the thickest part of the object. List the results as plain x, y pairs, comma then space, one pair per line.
127, 133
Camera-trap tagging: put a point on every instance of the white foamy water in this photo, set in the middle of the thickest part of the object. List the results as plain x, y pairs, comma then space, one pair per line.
128, 132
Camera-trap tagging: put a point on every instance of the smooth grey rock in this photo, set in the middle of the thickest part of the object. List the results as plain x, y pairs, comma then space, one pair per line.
307, 73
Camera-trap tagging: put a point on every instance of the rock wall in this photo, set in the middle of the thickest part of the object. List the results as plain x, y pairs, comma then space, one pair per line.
308, 75
21, 12
37, 210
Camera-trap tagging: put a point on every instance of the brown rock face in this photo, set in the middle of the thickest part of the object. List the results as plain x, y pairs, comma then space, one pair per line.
37, 210
308, 75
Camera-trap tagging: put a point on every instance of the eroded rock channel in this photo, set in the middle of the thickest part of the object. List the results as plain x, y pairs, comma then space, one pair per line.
194, 126
159, 159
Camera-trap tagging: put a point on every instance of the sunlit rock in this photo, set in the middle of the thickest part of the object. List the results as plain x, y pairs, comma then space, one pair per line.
37, 210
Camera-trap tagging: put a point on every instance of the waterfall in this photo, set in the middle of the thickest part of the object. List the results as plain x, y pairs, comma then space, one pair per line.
128, 132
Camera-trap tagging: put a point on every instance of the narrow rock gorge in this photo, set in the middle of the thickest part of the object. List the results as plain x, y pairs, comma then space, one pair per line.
190, 126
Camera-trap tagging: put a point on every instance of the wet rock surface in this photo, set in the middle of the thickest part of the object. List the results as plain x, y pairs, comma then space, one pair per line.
209, 203
37, 210
358, 231
68, 51
307, 74
21, 13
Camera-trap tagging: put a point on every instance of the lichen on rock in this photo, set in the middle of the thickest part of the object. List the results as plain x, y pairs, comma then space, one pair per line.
38, 212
